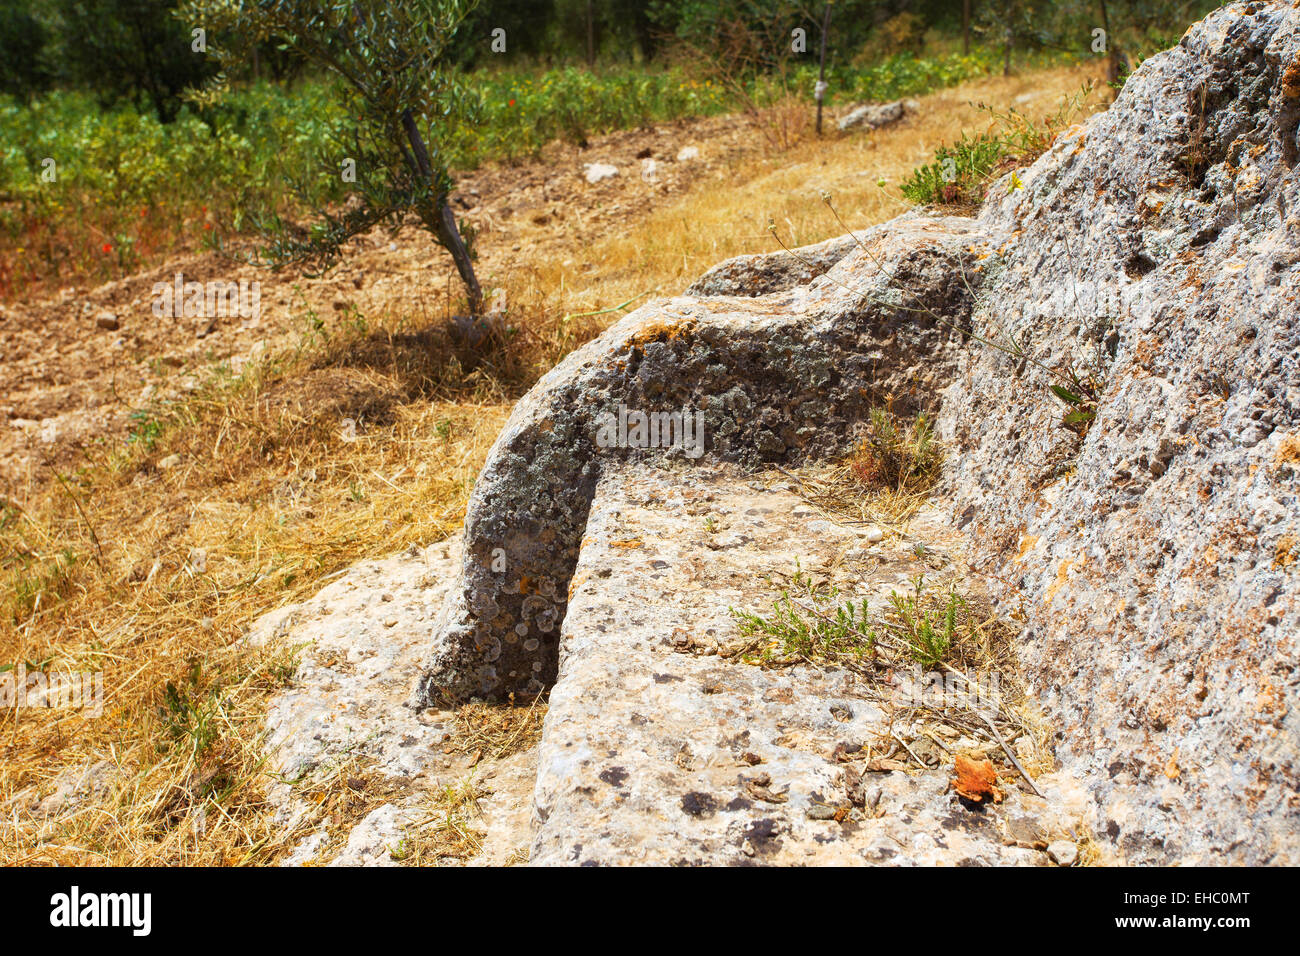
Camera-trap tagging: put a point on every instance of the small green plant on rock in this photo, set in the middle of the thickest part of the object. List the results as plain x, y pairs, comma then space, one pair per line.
927, 625
935, 628
901, 455
811, 623
1083, 407
819, 630
959, 174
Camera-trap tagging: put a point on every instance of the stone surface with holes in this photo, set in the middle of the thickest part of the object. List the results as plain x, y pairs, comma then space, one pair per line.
779, 377
661, 746
1155, 252
1157, 248
343, 717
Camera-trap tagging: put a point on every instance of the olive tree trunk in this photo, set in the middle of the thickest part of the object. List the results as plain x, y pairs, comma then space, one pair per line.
441, 220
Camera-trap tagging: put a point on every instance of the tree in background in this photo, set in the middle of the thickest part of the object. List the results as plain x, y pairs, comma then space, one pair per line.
24, 69
1135, 28
392, 62
134, 49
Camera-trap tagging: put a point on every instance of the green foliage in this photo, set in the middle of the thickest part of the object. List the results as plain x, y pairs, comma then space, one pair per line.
905, 74
927, 625
132, 49
128, 188
815, 627
551, 30
190, 715
1080, 397
962, 171
40, 583
146, 429
24, 69
391, 61
521, 112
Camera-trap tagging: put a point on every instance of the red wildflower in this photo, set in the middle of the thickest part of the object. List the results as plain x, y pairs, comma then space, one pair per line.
512, 103
107, 247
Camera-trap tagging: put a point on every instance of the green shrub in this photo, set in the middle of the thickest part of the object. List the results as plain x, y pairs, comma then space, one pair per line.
130, 191
961, 172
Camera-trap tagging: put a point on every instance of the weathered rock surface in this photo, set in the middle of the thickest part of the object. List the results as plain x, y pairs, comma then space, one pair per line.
344, 718
776, 378
1158, 247
662, 747
874, 115
597, 172
768, 272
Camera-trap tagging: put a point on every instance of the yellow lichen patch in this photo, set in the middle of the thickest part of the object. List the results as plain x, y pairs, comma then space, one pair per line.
1062, 574
1291, 82
1027, 542
1172, 770
1266, 699
1288, 451
578, 581
1286, 551
628, 543
661, 331
1145, 352
1210, 556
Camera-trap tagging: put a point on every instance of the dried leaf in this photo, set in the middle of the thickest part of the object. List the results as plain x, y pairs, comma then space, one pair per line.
976, 780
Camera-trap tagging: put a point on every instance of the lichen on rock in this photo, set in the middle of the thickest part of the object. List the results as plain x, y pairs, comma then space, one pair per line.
781, 377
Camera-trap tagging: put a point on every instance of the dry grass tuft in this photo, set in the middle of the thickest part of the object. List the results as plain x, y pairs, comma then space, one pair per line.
949, 634
885, 481
895, 455
490, 731
305, 463
447, 834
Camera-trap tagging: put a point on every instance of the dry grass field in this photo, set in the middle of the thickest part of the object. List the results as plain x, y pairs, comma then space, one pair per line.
145, 551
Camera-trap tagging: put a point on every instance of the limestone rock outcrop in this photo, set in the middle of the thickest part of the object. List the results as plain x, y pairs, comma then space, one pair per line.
768, 272
1158, 249
773, 378
1153, 254
876, 115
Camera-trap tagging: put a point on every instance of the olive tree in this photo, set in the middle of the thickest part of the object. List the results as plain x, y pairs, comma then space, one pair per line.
392, 60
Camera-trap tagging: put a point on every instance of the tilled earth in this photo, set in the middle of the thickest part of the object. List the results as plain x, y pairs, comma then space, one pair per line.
75, 365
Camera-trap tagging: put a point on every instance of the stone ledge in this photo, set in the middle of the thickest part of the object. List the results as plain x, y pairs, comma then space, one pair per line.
782, 377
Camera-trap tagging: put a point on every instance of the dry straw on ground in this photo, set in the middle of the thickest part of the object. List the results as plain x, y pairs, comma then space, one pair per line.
152, 574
